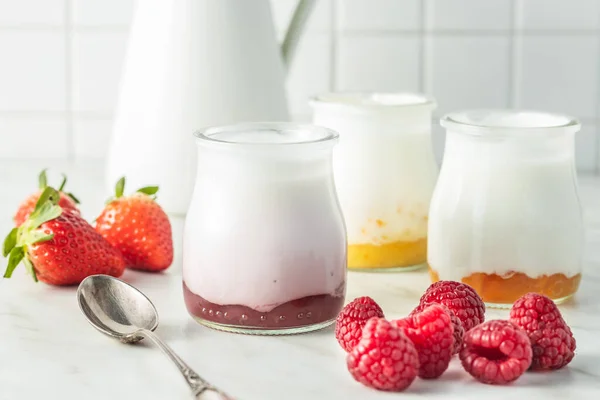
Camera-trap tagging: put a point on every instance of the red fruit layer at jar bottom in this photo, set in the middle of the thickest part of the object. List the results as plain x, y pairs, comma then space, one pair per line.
305, 311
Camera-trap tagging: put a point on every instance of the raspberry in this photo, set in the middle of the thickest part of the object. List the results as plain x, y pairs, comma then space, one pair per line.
551, 338
457, 327
432, 334
458, 297
384, 359
352, 319
459, 331
496, 352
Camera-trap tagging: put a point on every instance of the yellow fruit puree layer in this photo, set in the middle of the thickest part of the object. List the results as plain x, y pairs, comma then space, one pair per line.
389, 255
507, 289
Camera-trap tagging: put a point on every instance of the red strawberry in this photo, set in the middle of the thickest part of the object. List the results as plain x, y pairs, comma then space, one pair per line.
59, 247
66, 200
139, 228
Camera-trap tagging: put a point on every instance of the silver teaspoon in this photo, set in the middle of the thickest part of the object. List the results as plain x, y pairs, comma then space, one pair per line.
119, 310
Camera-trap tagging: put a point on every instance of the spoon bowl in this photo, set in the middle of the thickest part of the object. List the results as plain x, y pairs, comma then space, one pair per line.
119, 310
116, 308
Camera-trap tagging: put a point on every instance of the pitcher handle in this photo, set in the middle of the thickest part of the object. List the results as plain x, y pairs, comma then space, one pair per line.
295, 29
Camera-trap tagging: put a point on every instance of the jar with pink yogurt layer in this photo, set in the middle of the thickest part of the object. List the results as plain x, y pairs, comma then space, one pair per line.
264, 241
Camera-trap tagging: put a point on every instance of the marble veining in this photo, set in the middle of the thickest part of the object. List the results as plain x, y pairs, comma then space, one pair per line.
49, 351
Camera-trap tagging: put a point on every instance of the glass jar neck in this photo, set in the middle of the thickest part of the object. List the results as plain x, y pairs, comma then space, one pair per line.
468, 148
509, 135
264, 140
257, 167
375, 113
510, 123
266, 151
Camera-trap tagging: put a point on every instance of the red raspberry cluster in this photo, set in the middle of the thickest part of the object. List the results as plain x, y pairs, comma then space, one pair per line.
449, 319
551, 338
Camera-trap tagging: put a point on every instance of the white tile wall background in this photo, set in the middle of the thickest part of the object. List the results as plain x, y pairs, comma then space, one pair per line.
61, 61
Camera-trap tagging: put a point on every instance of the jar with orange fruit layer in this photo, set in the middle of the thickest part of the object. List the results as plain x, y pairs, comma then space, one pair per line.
385, 172
505, 216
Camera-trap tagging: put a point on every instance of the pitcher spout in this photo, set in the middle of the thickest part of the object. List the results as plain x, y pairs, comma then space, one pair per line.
295, 29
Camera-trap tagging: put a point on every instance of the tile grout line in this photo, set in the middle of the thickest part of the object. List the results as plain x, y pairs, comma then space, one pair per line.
69, 80
59, 28
511, 46
515, 52
422, 48
93, 115
427, 57
597, 110
351, 32
471, 32
333, 59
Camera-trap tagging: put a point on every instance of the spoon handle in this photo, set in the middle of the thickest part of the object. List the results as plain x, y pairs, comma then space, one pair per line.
201, 388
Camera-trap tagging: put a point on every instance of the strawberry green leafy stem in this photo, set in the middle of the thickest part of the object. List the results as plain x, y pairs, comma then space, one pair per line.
61, 189
149, 190
9, 242
43, 179
120, 190
43, 184
20, 239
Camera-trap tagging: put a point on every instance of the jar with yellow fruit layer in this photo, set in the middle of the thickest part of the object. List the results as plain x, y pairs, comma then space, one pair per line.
385, 173
505, 216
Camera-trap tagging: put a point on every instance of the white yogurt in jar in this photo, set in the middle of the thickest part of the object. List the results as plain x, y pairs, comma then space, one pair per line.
384, 185
506, 199
264, 226
385, 173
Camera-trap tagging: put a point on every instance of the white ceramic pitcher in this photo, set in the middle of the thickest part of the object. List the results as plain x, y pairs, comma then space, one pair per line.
192, 64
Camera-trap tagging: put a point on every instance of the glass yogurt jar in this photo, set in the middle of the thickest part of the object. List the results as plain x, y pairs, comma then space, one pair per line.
505, 216
385, 172
264, 238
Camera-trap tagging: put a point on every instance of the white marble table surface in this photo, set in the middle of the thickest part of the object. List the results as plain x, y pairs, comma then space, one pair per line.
49, 351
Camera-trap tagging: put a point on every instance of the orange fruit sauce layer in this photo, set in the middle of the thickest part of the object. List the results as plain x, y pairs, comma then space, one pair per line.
390, 255
496, 289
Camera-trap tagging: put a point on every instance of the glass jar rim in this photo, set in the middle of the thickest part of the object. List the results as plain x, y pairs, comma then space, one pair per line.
506, 121
374, 101
320, 134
